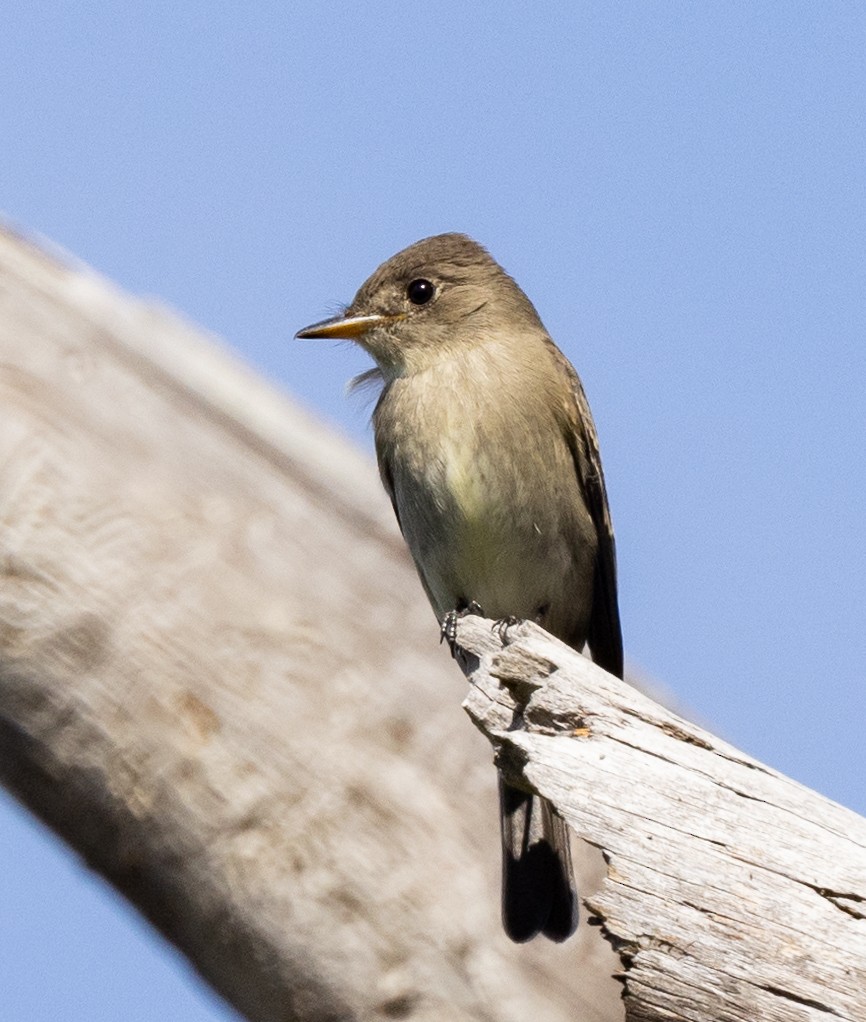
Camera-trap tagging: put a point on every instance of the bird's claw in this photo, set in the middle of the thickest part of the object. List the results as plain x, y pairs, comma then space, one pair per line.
448, 629
502, 625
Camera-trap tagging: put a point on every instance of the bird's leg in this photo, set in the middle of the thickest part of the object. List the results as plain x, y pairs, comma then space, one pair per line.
448, 629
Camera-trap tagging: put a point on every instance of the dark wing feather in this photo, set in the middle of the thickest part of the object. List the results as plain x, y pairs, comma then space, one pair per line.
605, 631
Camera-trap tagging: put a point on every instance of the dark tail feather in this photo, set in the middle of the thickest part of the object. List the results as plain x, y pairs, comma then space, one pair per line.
538, 894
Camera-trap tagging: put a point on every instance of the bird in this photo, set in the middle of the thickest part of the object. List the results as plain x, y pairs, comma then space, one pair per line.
488, 451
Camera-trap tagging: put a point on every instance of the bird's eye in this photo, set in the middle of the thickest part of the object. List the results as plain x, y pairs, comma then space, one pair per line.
420, 291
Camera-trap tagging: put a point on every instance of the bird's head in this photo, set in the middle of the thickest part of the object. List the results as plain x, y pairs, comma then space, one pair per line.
426, 302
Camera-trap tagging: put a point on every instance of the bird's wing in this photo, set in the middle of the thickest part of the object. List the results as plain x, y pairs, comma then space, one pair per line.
605, 632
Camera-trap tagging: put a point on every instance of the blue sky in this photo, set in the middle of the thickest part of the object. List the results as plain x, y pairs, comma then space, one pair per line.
679, 187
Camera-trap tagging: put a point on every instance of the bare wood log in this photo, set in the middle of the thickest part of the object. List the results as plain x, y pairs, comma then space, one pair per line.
220, 682
733, 894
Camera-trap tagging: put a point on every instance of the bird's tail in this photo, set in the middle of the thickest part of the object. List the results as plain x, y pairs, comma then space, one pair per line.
538, 892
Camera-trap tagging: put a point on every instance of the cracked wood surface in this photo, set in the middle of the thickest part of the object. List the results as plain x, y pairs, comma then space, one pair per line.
733, 894
221, 683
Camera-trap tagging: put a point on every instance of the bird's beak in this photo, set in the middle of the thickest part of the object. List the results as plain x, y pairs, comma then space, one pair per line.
342, 327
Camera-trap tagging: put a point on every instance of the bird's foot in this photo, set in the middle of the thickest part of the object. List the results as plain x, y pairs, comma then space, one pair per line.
448, 629
502, 625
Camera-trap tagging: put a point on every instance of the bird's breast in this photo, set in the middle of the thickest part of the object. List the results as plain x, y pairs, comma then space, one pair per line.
485, 489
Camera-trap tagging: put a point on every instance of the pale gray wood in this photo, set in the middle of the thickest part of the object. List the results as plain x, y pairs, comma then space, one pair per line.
732, 893
221, 683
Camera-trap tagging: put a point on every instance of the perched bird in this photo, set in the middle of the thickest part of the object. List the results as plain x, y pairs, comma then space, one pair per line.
487, 448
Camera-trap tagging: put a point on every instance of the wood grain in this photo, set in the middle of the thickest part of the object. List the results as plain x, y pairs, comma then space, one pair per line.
221, 683
732, 892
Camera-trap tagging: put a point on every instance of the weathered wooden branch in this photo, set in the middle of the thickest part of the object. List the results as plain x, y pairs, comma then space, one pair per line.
732, 892
221, 683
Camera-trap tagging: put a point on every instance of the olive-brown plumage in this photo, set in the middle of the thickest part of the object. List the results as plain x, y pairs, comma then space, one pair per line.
487, 448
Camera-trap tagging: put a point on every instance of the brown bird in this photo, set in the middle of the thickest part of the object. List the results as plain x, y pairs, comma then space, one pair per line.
487, 448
